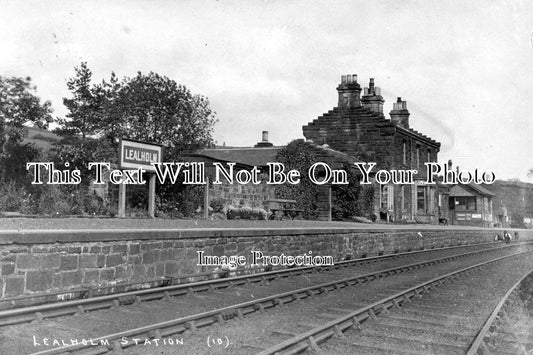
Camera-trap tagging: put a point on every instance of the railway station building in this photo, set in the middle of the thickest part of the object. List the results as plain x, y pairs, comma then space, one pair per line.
356, 130
246, 158
358, 127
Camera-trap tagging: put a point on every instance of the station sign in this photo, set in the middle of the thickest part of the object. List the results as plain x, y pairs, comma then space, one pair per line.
135, 154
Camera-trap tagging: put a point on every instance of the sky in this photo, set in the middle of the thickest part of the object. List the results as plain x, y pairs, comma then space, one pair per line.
464, 68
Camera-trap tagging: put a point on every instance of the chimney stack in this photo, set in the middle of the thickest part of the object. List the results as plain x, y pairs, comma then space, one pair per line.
349, 92
372, 98
399, 114
264, 142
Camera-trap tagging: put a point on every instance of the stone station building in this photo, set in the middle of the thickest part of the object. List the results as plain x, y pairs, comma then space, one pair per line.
356, 130
358, 127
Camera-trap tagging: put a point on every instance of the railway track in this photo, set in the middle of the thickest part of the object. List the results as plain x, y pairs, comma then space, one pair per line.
364, 265
403, 276
509, 328
439, 316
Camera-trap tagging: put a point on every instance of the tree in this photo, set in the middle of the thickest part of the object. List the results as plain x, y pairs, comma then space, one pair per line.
84, 106
151, 108
352, 199
19, 106
154, 108
297, 155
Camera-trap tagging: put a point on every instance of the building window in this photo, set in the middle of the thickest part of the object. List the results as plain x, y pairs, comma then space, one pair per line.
404, 146
402, 193
390, 200
418, 157
383, 196
386, 197
425, 200
421, 204
465, 203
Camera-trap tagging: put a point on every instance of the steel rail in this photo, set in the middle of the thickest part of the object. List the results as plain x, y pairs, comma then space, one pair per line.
311, 338
220, 315
57, 309
479, 344
91, 292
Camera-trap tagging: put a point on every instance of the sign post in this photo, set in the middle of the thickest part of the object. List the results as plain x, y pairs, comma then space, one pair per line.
135, 155
122, 200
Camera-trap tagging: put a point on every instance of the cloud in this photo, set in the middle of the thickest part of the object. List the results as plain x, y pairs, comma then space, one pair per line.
464, 68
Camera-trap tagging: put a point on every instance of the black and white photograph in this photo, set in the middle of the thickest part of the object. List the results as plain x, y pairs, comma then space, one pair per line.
266, 177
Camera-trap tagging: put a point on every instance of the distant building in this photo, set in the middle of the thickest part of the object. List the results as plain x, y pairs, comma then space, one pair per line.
358, 127
513, 203
245, 158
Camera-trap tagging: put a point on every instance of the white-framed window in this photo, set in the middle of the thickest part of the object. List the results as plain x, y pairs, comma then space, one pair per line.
386, 197
418, 157
404, 147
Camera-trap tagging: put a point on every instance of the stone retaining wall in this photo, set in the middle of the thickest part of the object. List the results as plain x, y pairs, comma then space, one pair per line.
40, 261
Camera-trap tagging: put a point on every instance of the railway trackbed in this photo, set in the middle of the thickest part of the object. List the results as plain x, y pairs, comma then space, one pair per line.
314, 275
439, 316
509, 328
233, 318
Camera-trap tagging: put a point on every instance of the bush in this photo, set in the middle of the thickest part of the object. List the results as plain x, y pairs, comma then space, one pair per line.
217, 204
353, 199
14, 199
359, 219
53, 201
297, 155
179, 200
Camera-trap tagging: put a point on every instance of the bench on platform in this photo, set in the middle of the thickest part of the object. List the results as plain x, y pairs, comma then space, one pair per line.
281, 208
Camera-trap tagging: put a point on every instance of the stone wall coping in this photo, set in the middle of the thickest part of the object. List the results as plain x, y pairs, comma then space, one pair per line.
107, 235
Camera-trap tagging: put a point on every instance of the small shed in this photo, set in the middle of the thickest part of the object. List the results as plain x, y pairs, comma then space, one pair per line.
470, 205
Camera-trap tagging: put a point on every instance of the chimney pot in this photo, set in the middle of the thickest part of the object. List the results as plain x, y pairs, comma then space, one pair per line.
399, 114
264, 141
372, 99
349, 92
265, 136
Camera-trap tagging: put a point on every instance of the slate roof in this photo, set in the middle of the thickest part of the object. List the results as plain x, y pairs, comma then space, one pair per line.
260, 156
477, 188
245, 155
481, 190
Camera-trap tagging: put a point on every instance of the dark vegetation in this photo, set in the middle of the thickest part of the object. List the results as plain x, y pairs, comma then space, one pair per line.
348, 201
147, 107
